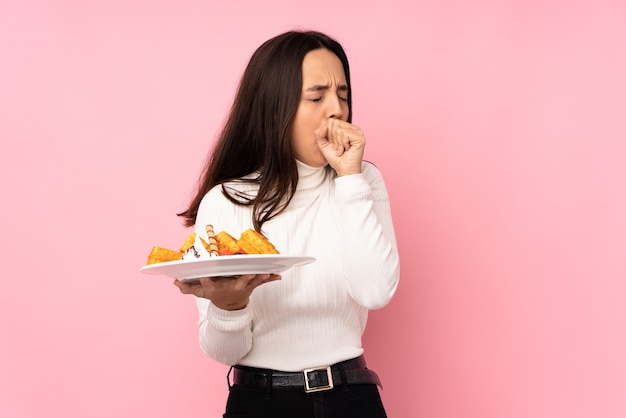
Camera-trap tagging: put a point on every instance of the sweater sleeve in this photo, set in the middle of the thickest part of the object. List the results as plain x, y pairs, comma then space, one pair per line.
372, 265
225, 336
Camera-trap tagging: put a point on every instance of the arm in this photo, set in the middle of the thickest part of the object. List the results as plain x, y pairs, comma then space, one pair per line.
224, 326
224, 335
372, 263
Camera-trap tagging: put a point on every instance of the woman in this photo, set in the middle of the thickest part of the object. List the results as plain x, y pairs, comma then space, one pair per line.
289, 163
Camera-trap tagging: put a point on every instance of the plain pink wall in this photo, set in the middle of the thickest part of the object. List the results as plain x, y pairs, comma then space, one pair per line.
499, 127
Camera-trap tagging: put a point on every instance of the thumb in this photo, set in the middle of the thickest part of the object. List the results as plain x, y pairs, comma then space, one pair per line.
321, 133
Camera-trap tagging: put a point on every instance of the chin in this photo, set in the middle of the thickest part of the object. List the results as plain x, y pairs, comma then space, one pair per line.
320, 164
317, 162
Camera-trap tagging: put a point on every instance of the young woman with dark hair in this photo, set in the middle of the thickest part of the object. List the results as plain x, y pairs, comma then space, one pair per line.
289, 163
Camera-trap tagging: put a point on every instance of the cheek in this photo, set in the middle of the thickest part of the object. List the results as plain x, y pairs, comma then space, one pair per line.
299, 139
303, 130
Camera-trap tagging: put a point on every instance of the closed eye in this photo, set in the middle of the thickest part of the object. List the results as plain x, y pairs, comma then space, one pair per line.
323, 88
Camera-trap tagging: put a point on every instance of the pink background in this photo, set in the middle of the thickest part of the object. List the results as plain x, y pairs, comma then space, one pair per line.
500, 129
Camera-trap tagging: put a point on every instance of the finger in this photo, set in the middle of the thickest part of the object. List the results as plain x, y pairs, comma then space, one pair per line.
268, 278
321, 133
189, 288
338, 146
338, 127
242, 282
350, 138
335, 124
273, 278
341, 133
258, 280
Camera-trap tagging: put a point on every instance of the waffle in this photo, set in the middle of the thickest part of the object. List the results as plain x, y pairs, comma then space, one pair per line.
226, 244
189, 241
252, 242
160, 254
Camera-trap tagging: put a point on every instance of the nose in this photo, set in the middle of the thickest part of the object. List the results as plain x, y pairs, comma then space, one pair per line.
335, 108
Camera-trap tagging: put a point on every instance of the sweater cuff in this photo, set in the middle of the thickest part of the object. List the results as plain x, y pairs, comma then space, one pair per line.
228, 321
352, 188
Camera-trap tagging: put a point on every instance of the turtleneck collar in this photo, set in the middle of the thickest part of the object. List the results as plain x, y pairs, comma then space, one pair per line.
309, 177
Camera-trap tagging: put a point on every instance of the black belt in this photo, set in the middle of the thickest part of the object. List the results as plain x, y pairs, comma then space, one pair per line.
311, 380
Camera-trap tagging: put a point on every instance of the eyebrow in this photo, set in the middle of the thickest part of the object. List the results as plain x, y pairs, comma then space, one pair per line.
322, 87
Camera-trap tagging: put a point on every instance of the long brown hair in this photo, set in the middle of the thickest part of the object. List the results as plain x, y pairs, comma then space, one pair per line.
256, 137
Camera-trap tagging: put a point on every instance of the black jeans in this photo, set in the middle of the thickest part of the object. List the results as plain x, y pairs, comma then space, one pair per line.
345, 401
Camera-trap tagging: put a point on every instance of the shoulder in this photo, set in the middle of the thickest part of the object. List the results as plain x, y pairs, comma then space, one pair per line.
244, 188
218, 210
214, 200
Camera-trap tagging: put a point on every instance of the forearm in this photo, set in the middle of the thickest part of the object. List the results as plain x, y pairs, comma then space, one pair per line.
225, 336
370, 253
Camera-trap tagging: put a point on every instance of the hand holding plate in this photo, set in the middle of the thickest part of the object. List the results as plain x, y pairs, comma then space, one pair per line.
228, 293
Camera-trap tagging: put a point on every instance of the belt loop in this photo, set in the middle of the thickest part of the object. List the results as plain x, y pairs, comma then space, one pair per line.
228, 378
344, 379
268, 390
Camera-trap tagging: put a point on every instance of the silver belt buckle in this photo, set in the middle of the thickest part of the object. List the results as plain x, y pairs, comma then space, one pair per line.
307, 385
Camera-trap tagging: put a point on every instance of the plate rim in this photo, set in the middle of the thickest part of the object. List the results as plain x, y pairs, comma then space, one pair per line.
154, 269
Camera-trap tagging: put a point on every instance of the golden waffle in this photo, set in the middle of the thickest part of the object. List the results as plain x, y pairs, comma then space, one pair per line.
189, 241
253, 242
250, 242
226, 244
159, 255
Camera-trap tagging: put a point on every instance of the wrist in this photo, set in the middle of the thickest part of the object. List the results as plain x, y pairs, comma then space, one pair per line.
233, 306
343, 173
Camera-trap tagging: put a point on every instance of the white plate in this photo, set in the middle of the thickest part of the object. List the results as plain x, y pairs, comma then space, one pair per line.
227, 265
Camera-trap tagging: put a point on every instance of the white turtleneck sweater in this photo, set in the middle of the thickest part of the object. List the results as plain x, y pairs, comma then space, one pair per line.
315, 316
